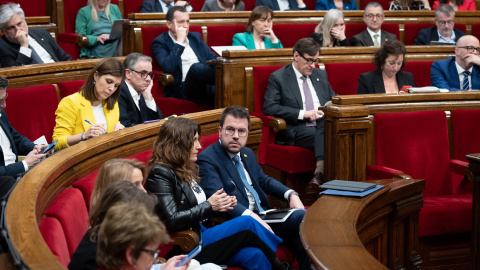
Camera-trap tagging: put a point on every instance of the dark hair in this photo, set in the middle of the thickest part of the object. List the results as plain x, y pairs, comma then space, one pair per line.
306, 46
374, 5
391, 47
236, 112
120, 191
3, 83
108, 66
257, 14
173, 145
172, 10
446, 9
132, 59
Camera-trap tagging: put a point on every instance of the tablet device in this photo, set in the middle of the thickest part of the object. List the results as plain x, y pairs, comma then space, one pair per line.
433, 42
190, 256
49, 147
116, 32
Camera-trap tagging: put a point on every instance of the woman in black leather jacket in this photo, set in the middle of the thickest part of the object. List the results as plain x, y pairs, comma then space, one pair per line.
182, 204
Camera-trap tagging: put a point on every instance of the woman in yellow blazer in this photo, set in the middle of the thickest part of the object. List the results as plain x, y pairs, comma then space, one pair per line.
93, 110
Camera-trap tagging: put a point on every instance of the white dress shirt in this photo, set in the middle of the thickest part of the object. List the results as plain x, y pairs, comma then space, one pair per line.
136, 98
316, 101
44, 55
99, 115
8, 156
379, 38
188, 57
460, 71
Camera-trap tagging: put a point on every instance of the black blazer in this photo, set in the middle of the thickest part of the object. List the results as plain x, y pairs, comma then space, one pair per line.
364, 38
425, 36
85, 255
130, 115
10, 53
20, 146
150, 6
318, 37
177, 205
372, 82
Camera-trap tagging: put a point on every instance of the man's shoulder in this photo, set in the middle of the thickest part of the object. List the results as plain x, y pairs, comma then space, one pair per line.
428, 30
359, 35
444, 62
388, 34
162, 37
208, 152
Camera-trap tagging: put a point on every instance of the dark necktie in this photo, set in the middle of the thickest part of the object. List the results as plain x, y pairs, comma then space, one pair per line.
143, 108
465, 84
35, 57
308, 100
238, 164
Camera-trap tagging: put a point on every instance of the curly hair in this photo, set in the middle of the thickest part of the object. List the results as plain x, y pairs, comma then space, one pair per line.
391, 47
173, 146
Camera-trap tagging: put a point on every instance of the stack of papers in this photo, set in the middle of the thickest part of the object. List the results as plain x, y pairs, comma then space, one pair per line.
426, 89
349, 188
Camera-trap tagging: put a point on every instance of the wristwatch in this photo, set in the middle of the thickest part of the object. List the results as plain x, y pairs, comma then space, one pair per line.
292, 193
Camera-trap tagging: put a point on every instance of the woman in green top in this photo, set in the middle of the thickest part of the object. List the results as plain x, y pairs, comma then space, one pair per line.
95, 21
258, 32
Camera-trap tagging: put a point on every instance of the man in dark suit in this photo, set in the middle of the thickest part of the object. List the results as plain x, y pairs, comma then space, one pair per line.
183, 54
228, 164
162, 6
13, 143
282, 5
444, 31
21, 46
294, 93
373, 35
459, 72
136, 102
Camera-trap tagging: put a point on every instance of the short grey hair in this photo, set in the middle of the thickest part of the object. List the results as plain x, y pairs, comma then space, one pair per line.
443, 8
7, 11
374, 5
132, 59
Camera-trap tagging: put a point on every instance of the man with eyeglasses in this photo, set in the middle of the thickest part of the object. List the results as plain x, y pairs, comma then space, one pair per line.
228, 164
373, 35
136, 102
294, 93
444, 31
459, 72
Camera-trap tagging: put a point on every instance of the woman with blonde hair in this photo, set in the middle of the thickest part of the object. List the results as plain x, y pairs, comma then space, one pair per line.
331, 31
95, 21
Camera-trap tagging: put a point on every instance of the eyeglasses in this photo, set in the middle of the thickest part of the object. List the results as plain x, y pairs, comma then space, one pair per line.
153, 253
144, 74
310, 60
2, 101
445, 22
230, 131
469, 49
371, 16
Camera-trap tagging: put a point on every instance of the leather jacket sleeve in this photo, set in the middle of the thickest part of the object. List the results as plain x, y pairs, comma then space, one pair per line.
177, 206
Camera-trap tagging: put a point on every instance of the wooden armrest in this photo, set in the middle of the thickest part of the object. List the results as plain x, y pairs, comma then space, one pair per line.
187, 240
278, 124
82, 41
165, 78
402, 176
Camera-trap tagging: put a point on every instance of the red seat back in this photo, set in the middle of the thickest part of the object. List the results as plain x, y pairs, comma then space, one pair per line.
261, 75
222, 35
70, 11
289, 34
208, 140
310, 4
476, 30
32, 8
53, 234
421, 71
346, 85
417, 144
32, 110
70, 87
130, 6
412, 30
384, 3
249, 4
465, 131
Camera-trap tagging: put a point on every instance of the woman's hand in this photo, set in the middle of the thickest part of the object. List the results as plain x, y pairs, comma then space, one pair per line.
102, 38
338, 34
268, 33
221, 202
118, 126
95, 130
170, 264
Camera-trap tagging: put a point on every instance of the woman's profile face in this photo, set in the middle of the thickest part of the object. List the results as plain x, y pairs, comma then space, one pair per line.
195, 148
339, 24
264, 22
145, 259
136, 178
392, 65
106, 85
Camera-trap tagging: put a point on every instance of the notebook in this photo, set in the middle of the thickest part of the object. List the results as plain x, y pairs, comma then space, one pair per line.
348, 185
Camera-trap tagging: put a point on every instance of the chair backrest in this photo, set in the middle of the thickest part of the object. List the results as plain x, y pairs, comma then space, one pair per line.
70, 11
32, 110
32, 7
53, 234
289, 34
465, 130
476, 30
417, 144
420, 71
346, 85
131, 6
249, 4
310, 4
208, 140
260, 77
69, 87
385, 4
197, 5
222, 35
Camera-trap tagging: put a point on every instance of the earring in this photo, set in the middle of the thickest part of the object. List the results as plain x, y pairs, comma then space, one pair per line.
94, 82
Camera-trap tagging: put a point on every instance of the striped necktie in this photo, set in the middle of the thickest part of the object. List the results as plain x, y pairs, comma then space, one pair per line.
465, 83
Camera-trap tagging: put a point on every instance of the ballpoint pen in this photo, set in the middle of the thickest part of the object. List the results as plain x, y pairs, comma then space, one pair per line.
88, 122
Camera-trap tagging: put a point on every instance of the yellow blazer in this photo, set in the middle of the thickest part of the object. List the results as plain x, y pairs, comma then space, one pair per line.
71, 114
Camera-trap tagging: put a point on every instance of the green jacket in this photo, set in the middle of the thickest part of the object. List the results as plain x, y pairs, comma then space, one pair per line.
246, 39
84, 24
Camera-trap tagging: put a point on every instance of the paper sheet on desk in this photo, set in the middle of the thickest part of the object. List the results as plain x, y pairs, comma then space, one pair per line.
350, 193
41, 140
220, 49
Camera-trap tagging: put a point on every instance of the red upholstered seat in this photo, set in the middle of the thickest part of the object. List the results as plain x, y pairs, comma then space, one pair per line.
40, 108
222, 35
207, 140
85, 185
53, 234
69, 208
32, 8
70, 87
143, 156
289, 34
346, 85
249, 4
465, 131
130, 6
385, 4
420, 71
412, 30
66, 40
417, 144
476, 30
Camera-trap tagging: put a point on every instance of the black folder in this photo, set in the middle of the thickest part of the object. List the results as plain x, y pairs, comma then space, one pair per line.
348, 185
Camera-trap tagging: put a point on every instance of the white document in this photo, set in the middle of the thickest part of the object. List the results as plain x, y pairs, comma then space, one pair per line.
220, 49
41, 140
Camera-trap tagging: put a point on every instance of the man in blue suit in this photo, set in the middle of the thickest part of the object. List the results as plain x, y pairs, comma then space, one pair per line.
459, 72
13, 143
282, 5
183, 54
228, 164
